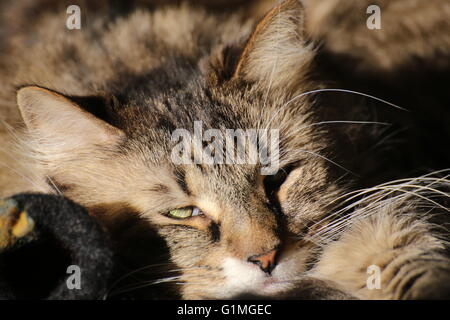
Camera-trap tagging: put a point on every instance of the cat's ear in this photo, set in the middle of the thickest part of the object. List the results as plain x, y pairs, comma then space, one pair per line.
277, 54
60, 125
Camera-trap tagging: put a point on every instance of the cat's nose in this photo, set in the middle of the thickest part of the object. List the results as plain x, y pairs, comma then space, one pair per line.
266, 261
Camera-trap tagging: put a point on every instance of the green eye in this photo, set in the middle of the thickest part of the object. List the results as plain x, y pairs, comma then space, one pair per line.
184, 213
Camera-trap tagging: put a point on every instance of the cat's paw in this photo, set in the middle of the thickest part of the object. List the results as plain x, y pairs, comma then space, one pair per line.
15, 223
432, 284
423, 277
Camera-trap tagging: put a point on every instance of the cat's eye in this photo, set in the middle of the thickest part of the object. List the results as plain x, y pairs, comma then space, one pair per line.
184, 213
273, 183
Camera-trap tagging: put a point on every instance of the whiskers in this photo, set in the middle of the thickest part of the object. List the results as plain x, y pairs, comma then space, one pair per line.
55, 187
345, 91
283, 108
337, 122
28, 179
328, 160
175, 276
419, 193
289, 135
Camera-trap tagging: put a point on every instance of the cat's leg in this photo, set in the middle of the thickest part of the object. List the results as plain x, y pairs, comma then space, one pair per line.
388, 256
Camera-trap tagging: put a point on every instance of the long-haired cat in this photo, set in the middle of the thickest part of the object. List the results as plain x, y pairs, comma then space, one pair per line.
358, 111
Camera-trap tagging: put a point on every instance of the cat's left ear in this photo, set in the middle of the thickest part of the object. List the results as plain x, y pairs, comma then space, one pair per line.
60, 125
277, 54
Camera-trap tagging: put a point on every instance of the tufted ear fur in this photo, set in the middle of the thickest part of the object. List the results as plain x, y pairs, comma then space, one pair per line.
59, 127
276, 55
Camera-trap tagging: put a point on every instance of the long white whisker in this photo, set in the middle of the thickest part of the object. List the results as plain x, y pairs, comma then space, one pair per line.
54, 185
358, 193
331, 90
338, 224
338, 122
23, 177
346, 91
326, 159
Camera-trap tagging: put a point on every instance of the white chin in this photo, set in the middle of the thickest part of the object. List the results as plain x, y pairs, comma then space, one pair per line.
244, 279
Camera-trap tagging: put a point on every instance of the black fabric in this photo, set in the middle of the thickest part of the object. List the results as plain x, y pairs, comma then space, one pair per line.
35, 266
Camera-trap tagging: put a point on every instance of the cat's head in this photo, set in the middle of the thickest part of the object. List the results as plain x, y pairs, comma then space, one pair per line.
231, 228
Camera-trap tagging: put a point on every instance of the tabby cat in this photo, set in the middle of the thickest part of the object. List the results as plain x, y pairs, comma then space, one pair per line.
363, 124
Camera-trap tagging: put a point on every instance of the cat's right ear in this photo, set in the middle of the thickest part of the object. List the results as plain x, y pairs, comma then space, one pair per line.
276, 55
60, 126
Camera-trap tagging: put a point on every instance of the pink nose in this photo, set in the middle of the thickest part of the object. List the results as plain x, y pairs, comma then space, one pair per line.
266, 261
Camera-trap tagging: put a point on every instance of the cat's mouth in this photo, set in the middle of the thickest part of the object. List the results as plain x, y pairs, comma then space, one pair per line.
248, 281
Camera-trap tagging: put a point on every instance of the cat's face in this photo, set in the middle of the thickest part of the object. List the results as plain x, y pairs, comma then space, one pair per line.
230, 229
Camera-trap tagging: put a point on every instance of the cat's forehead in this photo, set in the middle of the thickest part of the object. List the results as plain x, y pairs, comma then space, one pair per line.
198, 113
174, 96
182, 108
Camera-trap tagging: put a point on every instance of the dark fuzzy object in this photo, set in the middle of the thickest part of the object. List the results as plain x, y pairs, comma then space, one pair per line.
35, 265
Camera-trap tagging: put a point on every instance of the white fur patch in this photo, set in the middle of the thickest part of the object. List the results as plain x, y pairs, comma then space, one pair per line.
245, 278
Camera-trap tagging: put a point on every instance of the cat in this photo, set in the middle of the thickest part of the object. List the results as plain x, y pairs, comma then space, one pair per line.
99, 106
